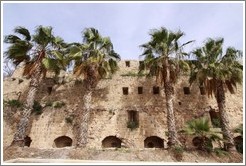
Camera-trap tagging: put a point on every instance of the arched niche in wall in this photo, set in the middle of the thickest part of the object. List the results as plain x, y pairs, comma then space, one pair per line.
111, 142
153, 142
63, 141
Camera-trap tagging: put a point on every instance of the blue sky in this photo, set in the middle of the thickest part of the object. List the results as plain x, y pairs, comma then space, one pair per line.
128, 24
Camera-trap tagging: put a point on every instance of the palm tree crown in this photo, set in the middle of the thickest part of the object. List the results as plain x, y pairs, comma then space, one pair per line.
212, 65
95, 57
42, 47
164, 45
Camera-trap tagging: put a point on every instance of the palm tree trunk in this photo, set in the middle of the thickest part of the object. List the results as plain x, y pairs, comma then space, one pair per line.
227, 135
84, 119
172, 133
24, 121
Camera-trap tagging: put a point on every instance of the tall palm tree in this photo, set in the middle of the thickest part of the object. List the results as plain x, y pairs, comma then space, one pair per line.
93, 59
217, 73
162, 58
40, 53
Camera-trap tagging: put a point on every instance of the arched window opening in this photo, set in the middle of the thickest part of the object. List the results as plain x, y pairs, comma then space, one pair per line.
63, 141
153, 142
111, 142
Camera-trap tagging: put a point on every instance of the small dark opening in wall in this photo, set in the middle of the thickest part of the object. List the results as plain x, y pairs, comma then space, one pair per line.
49, 89
239, 143
132, 116
111, 141
140, 90
127, 63
180, 103
186, 90
27, 141
63, 141
125, 90
153, 142
141, 63
156, 90
20, 81
202, 90
133, 119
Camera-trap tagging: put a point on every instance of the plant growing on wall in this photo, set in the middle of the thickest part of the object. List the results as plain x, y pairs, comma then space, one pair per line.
218, 72
94, 59
39, 53
132, 125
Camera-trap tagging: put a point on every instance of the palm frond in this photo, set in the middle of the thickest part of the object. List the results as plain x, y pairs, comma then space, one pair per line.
24, 32
11, 39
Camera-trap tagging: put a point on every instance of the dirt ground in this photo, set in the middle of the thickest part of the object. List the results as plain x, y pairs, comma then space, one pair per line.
120, 155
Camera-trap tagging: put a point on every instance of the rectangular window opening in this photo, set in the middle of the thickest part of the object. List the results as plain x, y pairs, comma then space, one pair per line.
140, 90
186, 90
133, 119
202, 90
49, 89
125, 90
156, 90
127, 63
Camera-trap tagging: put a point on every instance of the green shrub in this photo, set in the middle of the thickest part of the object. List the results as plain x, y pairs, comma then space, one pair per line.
216, 122
70, 119
58, 104
132, 125
220, 152
14, 103
178, 152
37, 108
48, 104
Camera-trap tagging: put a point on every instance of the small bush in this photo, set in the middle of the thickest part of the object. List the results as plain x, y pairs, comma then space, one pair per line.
216, 122
14, 103
48, 104
58, 104
178, 152
132, 125
70, 118
37, 108
220, 152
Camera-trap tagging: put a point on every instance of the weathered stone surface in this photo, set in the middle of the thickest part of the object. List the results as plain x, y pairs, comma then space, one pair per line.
110, 108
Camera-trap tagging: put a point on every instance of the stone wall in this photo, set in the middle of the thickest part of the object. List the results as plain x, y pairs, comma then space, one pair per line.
110, 108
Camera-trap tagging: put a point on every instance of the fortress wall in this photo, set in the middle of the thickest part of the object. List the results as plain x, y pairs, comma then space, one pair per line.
109, 114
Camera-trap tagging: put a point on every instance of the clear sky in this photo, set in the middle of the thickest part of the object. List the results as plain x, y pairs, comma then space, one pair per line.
128, 24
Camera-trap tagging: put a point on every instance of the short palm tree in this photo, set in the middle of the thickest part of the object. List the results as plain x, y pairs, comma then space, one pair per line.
94, 59
162, 58
204, 136
217, 73
40, 53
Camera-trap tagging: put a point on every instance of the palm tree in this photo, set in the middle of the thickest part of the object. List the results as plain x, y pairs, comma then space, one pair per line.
204, 136
93, 59
218, 72
40, 53
162, 57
